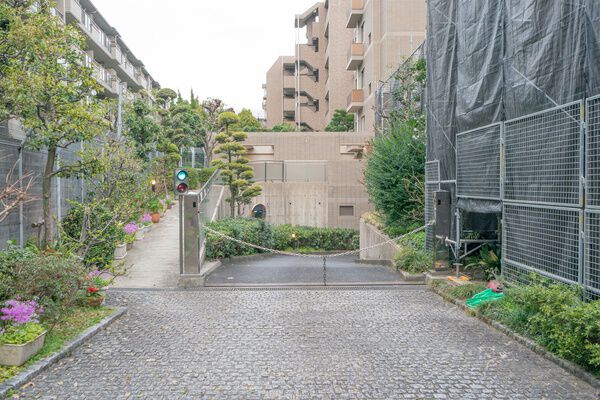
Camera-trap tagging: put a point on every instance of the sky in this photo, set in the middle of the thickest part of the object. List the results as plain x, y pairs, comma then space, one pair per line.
220, 48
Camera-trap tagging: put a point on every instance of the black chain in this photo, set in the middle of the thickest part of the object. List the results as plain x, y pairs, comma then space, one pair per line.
324, 271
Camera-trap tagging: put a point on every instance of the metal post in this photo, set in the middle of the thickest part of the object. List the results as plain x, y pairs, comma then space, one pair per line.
21, 216
193, 157
181, 244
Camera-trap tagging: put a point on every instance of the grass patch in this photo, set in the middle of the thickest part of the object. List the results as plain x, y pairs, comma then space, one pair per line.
466, 291
80, 320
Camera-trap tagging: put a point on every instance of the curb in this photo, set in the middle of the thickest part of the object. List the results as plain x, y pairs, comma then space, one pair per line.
568, 366
42, 365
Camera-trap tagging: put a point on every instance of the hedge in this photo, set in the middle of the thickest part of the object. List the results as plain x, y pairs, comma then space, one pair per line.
281, 237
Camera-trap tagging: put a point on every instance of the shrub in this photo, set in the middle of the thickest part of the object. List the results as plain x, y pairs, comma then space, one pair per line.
103, 233
53, 280
323, 239
257, 231
413, 260
555, 317
394, 176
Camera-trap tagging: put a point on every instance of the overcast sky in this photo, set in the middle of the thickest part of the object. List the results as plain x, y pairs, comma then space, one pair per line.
220, 48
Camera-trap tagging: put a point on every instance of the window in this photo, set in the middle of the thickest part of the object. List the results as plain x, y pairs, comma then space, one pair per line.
346, 211
370, 37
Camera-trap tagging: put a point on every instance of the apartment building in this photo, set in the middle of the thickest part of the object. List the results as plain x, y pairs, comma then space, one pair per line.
385, 32
305, 89
113, 62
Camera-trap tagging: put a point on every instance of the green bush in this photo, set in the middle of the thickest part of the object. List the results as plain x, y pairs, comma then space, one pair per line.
53, 280
555, 317
323, 239
259, 232
413, 260
255, 231
103, 235
466, 291
199, 176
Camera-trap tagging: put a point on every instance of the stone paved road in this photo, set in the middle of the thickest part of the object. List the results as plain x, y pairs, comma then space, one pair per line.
400, 343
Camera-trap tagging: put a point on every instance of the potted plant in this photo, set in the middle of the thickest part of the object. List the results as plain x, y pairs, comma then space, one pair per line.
169, 202
21, 336
130, 231
146, 223
94, 294
163, 205
155, 208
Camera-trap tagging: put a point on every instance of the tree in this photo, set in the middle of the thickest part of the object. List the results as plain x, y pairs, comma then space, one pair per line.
212, 110
15, 192
342, 121
247, 121
141, 127
233, 165
285, 127
52, 91
186, 125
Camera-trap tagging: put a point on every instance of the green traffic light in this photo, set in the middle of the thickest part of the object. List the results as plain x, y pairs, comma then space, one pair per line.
182, 175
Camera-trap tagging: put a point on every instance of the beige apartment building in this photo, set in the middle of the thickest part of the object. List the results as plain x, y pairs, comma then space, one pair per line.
309, 98
386, 32
309, 178
113, 62
351, 46
115, 66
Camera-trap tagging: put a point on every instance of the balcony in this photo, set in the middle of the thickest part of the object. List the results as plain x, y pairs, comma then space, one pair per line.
289, 104
106, 79
356, 13
356, 56
356, 100
73, 11
289, 82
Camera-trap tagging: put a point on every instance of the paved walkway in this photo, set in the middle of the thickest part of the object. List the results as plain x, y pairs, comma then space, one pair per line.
400, 343
293, 271
154, 261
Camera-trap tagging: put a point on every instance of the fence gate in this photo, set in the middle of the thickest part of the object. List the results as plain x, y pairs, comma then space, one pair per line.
543, 195
591, 278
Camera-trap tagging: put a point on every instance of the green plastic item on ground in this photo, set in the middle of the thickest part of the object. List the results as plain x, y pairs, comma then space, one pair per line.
484, 297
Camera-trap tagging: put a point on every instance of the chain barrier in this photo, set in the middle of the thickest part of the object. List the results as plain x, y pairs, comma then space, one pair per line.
288, 253
325, 257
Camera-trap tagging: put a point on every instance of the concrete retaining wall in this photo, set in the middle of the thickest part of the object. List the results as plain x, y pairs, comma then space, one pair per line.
369, 236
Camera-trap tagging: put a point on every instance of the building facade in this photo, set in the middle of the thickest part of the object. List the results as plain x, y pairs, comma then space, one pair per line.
309, 178
305, 89
386, 32
113, 62
351, 45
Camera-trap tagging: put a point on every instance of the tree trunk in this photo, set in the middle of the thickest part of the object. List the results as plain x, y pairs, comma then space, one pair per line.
48, 238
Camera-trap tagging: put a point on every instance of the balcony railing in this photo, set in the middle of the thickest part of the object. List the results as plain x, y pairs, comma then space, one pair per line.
356, 100
356, 56
355, 14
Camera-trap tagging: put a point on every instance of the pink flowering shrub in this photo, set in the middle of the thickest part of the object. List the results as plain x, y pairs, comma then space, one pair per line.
17, 312
131, 228
146, 218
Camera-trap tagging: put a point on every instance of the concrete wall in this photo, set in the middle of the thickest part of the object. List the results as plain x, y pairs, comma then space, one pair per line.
370, 236
310, 200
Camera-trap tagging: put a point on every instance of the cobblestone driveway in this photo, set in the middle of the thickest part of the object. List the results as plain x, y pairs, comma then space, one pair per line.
403, 343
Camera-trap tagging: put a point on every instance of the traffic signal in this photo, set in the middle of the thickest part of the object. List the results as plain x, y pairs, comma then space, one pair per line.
181, 182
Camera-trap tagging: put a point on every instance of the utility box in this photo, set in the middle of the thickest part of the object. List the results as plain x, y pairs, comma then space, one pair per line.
443, 220
189, 235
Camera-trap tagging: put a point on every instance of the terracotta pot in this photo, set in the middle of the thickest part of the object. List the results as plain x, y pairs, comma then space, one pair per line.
155, 217
95, 301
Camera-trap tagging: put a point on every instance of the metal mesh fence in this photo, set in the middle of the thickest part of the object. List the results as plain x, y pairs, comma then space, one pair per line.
432, 184
24, 225
543, 157
543, 239
593, 153
591, 277
478, 163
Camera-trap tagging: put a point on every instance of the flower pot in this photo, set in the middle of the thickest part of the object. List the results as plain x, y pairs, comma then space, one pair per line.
147, 229
95, 301
18, 354
139, 235
169, 206
130, 246
155, 217
121, 251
